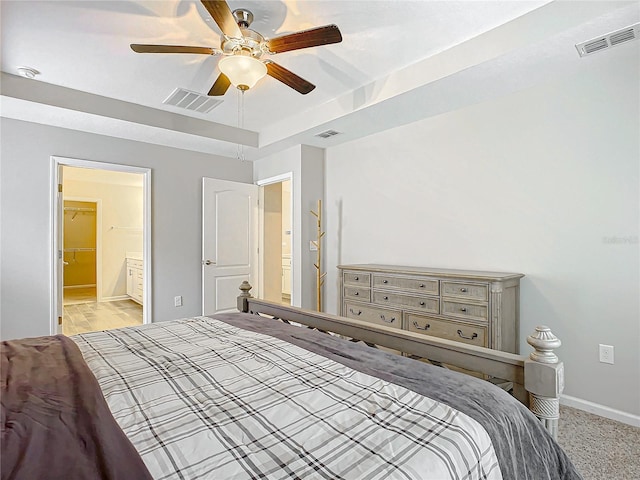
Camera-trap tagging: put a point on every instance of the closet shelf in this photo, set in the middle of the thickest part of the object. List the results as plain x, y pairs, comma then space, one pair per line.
80, 209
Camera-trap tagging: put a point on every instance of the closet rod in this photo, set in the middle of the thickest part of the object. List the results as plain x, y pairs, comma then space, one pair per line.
79, 249
114, 227
79, 209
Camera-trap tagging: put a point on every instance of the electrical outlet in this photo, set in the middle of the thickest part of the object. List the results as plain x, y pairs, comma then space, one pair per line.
606, 353
177, 300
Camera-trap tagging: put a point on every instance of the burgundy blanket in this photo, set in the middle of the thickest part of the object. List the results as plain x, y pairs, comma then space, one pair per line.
55, 422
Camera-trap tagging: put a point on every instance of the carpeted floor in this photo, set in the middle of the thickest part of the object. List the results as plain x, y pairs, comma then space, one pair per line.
600, 448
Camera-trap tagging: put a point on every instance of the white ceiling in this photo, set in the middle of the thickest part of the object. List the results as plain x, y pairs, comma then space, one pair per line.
391, 50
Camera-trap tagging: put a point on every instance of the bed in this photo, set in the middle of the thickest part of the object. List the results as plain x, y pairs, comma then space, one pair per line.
250, 395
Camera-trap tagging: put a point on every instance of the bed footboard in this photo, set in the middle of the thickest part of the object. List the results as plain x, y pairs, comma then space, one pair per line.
538, 379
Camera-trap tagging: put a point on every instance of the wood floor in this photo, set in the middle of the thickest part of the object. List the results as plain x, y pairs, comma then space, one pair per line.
83, 314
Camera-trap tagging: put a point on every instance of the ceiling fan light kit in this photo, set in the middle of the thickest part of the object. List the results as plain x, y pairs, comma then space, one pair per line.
243, 71
243, 48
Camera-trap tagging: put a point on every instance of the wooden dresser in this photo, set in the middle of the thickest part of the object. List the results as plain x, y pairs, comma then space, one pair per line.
479, 308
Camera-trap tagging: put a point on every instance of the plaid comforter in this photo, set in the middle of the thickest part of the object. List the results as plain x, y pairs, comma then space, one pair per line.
200, 398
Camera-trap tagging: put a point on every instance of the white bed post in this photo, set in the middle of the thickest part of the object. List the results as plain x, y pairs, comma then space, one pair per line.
544, 378
245, 287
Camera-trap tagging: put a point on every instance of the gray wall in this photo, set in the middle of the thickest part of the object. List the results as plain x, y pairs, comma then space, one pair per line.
544, 182
306, 164
25, 213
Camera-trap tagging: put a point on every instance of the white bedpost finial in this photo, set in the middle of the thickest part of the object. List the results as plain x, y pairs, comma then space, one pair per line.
245, 287
543, 342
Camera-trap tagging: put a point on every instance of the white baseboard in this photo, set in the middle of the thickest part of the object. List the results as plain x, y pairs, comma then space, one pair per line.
600, 410
115, 299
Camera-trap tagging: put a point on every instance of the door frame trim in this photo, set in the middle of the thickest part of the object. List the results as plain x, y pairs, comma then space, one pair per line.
294, 247
56, 163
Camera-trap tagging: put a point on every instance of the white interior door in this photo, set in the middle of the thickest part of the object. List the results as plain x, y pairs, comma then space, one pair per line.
229, 242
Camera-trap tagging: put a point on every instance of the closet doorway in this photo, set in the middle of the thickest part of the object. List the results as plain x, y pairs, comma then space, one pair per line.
100, 246
276, 240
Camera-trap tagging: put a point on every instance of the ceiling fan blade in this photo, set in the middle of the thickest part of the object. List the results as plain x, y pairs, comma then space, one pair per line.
304, 39
220, 86
288, 78
173, 49
221, 14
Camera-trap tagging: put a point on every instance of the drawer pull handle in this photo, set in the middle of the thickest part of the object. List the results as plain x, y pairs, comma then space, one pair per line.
384, 319
355, 313
385, 298
463, 290
385, 281
426, 327
421, 285
463, 309
357, 278
472, 337
356, 293
422, 304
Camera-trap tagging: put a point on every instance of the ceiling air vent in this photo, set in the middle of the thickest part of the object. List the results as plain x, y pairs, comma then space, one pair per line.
622, 36
327, 134
609, 40
193, 101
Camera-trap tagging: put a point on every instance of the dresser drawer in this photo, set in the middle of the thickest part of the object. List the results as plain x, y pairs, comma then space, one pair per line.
357, 279
379, 316
473, 291
357, 293
450, 330
470, 311
423, 285
427, 304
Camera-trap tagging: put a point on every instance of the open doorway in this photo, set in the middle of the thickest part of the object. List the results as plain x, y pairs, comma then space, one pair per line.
277, 231
101, 246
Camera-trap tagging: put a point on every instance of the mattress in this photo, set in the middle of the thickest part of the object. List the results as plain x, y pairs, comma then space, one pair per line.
241, 396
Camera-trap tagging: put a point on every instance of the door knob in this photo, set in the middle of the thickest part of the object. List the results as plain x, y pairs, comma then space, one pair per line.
208, 262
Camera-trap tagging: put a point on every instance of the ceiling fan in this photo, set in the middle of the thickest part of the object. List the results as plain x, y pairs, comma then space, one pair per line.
243, 48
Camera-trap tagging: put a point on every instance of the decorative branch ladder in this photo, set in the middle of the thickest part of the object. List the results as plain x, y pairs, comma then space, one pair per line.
318, 244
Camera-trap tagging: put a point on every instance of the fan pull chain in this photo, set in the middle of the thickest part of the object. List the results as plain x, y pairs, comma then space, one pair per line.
240, 154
